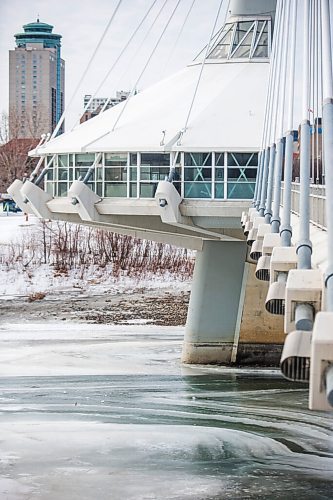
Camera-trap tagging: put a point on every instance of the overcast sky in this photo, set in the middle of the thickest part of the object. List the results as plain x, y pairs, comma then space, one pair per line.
81, 24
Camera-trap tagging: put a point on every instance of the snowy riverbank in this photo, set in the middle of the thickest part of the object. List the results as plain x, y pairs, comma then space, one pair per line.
87, 293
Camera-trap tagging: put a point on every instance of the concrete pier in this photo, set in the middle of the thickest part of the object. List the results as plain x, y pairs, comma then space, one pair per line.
214, 309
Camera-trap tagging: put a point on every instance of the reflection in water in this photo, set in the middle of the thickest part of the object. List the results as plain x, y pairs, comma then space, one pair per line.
179, 433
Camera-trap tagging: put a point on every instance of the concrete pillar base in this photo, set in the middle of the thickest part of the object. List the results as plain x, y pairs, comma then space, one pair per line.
213, 318
259, 354
207, 353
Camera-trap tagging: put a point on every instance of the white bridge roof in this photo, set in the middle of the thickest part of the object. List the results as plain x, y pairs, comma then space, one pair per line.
228, 114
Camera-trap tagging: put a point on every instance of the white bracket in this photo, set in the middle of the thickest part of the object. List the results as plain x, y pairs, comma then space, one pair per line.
86, 199
321, 358
37, 199
15, 192
303, 286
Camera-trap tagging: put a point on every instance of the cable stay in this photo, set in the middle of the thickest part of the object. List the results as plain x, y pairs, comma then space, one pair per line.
179, 35
146, 64
62, 118
200, 73
123, 50
138, 50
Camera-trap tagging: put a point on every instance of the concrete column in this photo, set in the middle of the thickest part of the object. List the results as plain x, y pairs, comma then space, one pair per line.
212, 319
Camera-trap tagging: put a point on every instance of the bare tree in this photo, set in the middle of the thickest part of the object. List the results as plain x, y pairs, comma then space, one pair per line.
14, 160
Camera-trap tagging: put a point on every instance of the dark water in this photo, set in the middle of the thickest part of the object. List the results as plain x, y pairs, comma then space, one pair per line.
150, 429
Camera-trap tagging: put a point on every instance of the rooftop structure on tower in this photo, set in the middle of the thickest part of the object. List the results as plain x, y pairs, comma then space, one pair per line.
36, 81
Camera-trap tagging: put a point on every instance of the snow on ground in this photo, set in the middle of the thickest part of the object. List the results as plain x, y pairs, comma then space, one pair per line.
12, 226
18, 280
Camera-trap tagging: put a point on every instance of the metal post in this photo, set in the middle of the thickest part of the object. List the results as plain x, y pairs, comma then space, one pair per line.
268, 211
275, 220
258, 174
264, 178
304, 247
286, 229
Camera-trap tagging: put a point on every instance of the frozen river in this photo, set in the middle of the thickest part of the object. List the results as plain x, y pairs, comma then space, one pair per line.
99, 412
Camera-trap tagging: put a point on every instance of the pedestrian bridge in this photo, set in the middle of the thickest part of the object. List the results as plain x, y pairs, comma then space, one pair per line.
224, 159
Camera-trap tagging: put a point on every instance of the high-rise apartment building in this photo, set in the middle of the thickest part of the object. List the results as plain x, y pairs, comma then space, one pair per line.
36, 81
97, 103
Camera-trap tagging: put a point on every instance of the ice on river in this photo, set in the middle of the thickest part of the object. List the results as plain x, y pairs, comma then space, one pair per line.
109, 412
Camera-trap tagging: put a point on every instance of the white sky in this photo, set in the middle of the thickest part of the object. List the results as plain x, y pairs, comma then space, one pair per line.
81, 24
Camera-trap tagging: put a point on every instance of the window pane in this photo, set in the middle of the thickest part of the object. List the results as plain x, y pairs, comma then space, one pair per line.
62, 160
219, 174
243, 159
198, 159
133, 190
261, 51
198, 189
115, 189
119, 159
158, 159
99, 189
83, 160
62, 189
242, 174
198, 174
62, 174
133, 158
133, 173
50, 188
219, 190
116, 174
81, 172
240, 190
221, 50
219, 159
241, 29
153, 173
49, 175
99, 173
148, 190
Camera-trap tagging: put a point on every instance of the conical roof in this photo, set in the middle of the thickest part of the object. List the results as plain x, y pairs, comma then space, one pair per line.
228, 110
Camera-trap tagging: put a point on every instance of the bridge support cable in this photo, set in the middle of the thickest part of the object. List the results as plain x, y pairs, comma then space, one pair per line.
319, 97
202, 68
286, 229
279, 123
123, 50
270, 111
62, 118
146, 63
188, 13
328, 144
136, 53
304, 246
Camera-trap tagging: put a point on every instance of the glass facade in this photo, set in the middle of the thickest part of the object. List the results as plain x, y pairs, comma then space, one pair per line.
196, 175
243, 39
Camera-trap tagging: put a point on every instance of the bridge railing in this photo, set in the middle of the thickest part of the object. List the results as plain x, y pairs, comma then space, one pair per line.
317, 203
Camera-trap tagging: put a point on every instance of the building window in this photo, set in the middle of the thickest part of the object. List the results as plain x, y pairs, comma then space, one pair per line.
198, 175
243, 40
154, 167
242, 172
